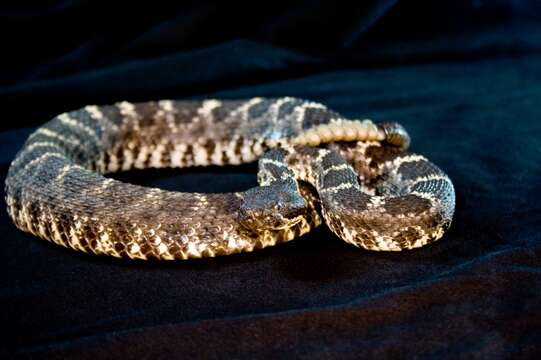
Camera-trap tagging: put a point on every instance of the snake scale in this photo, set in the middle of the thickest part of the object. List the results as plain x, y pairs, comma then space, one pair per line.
315, 166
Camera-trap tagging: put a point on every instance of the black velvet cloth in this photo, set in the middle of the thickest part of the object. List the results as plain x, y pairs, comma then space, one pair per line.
464, 77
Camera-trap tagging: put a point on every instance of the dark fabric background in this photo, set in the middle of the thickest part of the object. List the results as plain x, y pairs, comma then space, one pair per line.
464, 77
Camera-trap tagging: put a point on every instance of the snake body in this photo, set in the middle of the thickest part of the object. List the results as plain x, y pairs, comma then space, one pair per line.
314, 166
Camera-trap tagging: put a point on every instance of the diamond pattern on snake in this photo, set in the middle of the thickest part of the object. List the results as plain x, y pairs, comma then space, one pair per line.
314, 167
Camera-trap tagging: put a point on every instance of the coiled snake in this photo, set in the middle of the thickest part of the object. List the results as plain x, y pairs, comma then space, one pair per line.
314, 166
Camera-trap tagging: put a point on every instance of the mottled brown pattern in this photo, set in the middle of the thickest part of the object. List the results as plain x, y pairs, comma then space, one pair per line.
55, 188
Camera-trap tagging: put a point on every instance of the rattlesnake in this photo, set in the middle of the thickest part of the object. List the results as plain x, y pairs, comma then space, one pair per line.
314, 166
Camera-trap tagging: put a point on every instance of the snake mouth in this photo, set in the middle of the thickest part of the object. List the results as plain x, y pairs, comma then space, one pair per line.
272, 222
278, 222
288, 223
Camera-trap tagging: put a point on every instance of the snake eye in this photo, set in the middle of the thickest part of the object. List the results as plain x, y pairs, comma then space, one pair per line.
279, 206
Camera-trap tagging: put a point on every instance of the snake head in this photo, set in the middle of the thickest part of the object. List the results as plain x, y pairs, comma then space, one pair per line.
272, 207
